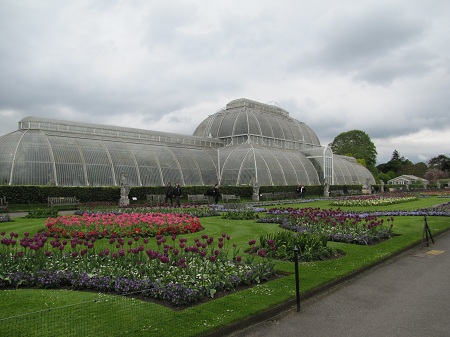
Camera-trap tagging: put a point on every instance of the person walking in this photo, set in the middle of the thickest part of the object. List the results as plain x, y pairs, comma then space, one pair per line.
169, 193
216, 193
177, 193
298, 191
345, 189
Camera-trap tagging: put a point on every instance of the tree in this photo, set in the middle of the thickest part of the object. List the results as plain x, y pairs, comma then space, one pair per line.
397, 164
356, 144
396, 156
386, 176
417, 170
362, 162
441, 162
433, 175
384, 168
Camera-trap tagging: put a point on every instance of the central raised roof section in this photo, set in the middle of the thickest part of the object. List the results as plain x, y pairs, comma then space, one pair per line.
244, 102
244, 121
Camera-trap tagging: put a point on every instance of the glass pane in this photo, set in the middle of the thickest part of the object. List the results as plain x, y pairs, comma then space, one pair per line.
241, 124
169, 166
123, 161
7, 153
149, 170
68, 161
98, 166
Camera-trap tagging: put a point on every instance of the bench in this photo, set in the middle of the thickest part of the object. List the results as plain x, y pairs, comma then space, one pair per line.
340, 193
63, 201
232, 197
199, 199
336, 193
267, 196
278, 195
3, 203
155, 198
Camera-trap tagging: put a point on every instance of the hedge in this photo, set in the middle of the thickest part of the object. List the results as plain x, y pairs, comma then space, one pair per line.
25, 194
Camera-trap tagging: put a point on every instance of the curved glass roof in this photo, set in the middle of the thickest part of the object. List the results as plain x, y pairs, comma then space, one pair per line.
36, 157
244, 142
348, 171
245, 163
270, 123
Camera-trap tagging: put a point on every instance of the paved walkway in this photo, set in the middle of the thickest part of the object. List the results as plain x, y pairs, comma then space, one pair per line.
407, 296
24, 214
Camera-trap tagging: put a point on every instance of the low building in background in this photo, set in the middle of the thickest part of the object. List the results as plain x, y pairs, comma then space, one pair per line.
406, 179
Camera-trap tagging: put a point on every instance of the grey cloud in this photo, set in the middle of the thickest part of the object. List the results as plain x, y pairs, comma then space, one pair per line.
162, 23
384, 71
104, 60
352, 39
325, 124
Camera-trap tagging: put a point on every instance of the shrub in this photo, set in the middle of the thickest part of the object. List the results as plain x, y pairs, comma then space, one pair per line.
310, 247
42, 213
240, 214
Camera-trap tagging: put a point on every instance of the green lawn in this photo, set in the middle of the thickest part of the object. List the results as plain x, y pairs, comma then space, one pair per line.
73, 313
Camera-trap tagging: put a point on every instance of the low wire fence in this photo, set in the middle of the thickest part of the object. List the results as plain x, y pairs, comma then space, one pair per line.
106, 315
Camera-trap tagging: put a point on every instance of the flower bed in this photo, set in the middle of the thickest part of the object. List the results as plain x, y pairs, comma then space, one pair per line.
281, 245
336, 225
372, 200
198, 211
176, 272
101, 225
42, 213
240, 214
434, 193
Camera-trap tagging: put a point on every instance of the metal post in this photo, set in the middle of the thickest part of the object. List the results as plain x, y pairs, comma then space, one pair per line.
426, 231
297, 278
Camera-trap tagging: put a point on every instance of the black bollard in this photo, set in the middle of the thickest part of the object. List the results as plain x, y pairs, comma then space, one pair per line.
297, 278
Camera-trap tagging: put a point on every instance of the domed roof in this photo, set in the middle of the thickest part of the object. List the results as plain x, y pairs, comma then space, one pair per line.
246, 117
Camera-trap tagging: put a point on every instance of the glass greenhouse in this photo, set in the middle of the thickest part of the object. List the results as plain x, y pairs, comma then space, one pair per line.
245, 142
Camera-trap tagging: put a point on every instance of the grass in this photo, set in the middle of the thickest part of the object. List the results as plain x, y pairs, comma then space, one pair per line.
93, 314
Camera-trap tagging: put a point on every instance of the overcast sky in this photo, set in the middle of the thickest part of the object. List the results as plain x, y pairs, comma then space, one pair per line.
378, 66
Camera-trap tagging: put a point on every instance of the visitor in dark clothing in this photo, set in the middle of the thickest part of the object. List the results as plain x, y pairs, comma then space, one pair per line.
177, 193
169, 193
216, 193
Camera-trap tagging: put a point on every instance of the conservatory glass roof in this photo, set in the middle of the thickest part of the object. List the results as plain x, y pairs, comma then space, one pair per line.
244, 142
